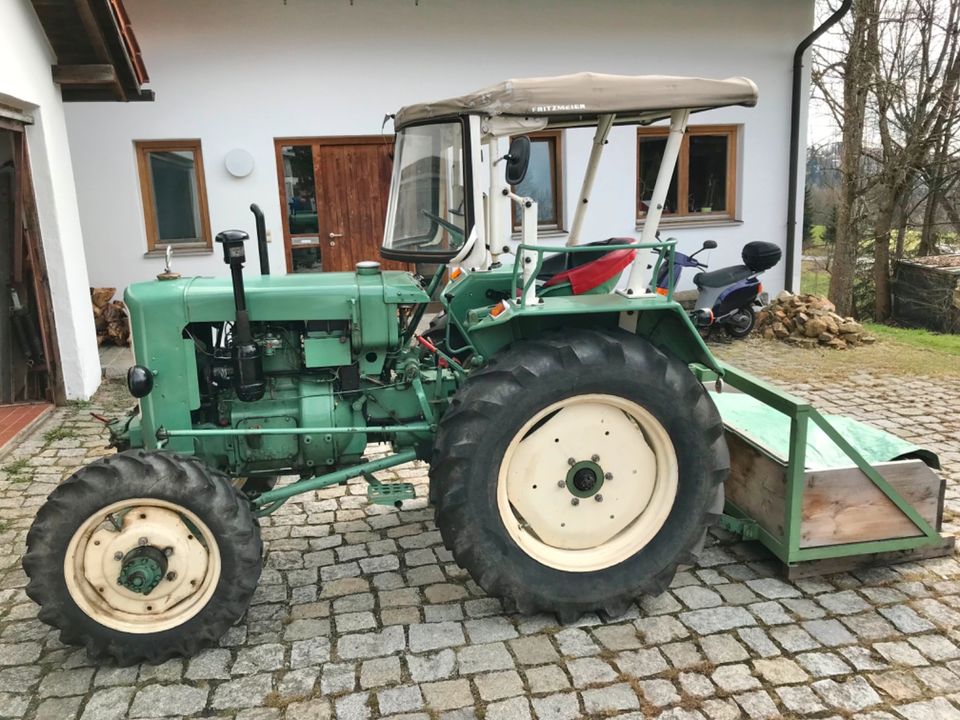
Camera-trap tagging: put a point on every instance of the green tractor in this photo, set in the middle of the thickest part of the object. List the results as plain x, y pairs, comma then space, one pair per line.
575, 458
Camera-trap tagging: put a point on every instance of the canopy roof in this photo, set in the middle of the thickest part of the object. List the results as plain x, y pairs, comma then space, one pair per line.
570, 100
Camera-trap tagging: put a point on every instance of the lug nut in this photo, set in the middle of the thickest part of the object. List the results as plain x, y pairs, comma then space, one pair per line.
598, 497
142, 541
118, 555
168, 551
595, 458
171, 576
608, 476
574, 501
571, 461
560, 483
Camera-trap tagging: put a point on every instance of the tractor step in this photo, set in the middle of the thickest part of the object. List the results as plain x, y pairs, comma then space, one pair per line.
393, 493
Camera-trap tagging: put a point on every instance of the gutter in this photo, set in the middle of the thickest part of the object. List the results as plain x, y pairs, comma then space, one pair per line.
795, 101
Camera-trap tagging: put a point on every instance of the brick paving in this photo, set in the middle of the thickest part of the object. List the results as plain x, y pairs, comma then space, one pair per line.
361, 612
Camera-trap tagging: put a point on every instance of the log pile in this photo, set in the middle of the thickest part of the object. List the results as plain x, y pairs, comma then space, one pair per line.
110, 317
810, 320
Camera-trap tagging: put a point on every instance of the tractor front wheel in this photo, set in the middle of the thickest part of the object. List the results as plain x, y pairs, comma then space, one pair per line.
577, 471
142, 556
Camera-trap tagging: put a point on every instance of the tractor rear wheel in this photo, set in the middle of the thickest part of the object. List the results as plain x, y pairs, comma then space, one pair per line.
142, 556
607, 462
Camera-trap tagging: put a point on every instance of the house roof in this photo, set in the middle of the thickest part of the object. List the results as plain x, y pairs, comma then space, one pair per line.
98, 57
579, 99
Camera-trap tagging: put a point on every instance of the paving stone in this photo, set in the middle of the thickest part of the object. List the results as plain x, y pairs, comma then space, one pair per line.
935, 647
829, 632
845, 602
165, 700
379, 672
499, 685
517, 708
723, 649
353, 707
618, 637
862, 658
433, 666
447, 694
641, 663
800, 700
696, 597
794, 638
936, 709
318, 709
757, 705
534, 650
661, 629
490, 629
780, 671
898, 684
366, 645
906, 620
304, 653
352, 622
483, 658
590, 671
712, 620
243, 693
561, 706
722, 709
659, 692
734, 678
547, 678
574, 642
258, 658
938, 679
850, 696
66, 682
108, 704
900, 653
400, 699
770, 612
53, 708
758, 641
610, 698
210, 664
822, 664
682, 654
773, 588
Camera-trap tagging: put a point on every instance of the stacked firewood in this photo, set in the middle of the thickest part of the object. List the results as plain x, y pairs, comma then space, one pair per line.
809, 320
110, 317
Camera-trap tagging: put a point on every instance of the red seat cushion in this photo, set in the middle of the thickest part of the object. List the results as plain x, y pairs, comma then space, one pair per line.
590, 275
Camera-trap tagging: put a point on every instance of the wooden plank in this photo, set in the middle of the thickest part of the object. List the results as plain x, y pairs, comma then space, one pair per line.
99, 74
842, 505
858, 562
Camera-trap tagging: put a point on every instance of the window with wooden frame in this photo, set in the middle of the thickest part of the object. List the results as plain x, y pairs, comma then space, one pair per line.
544, 180
174, 195
704, 186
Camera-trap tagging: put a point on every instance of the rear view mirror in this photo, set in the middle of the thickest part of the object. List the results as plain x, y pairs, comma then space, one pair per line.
517, 160
709, 244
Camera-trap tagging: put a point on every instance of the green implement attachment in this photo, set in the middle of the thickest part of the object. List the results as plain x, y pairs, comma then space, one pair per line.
823, 493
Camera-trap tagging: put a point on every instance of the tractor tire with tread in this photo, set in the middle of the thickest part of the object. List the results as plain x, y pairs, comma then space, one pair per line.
179, 482
490, 410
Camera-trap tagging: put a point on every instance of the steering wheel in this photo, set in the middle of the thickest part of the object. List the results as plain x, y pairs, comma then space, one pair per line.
447, 225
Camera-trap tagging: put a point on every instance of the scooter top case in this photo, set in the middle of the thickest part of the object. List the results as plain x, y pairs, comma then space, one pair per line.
760, 256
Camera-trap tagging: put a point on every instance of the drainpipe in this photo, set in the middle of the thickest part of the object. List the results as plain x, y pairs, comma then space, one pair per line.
795, 134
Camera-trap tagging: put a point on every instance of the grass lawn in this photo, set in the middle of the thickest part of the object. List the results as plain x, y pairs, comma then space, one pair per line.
920, 339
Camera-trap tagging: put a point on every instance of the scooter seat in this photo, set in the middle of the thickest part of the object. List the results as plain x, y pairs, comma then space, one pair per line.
722, 277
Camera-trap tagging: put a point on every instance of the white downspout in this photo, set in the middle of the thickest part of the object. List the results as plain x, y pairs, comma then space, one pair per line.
599, 140
642, 269
495, 202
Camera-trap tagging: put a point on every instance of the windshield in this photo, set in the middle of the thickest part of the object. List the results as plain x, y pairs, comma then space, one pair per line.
427, 212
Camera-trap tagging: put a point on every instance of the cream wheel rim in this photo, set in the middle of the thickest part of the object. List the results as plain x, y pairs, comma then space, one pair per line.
96, 552
587, 482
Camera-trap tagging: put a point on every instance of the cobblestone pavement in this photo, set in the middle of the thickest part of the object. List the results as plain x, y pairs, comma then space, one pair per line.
362, 613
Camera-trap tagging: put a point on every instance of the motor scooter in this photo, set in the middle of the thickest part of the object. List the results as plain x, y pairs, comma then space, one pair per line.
727, 296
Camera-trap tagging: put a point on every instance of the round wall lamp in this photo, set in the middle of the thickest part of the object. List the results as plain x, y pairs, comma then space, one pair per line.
238, 162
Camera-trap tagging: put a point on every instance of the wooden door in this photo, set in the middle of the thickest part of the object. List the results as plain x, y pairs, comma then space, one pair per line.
336, 216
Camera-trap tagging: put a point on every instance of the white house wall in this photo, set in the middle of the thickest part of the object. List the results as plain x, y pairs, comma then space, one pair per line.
26, 84
239, 74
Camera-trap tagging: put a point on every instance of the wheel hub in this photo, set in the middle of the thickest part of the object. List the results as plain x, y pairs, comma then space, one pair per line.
584, 479
142, 569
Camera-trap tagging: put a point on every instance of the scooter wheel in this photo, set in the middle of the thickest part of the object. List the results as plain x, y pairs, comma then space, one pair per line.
741, 323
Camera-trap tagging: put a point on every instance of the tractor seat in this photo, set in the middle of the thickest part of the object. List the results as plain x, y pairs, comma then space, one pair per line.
722, 277
595, 273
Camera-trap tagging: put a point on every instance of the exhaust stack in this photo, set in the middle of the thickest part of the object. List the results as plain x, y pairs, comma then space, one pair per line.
247, 359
